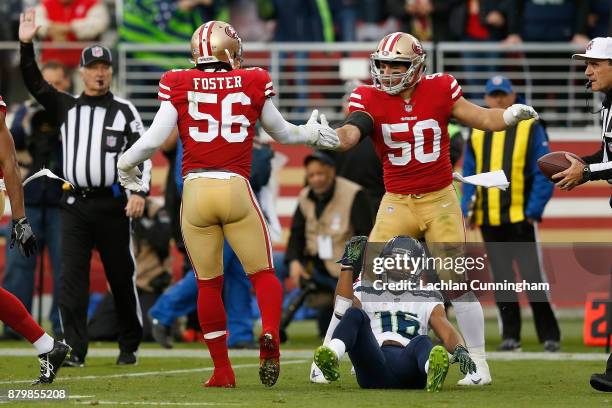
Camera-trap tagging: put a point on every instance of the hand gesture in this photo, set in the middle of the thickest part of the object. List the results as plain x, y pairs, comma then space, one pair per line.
27, 26
322, 136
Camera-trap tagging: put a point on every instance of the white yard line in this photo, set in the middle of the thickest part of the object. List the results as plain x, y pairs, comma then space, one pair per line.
145, 373
160, 403
184, 353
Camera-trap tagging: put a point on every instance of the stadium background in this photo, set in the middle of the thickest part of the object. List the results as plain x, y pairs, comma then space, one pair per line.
317, 75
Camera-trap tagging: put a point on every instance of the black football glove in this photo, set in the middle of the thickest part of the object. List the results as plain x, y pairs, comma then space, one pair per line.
23, 235
461, 356
354, 251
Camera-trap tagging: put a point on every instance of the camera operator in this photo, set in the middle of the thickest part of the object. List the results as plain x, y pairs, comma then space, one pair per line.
37, 137
331, 209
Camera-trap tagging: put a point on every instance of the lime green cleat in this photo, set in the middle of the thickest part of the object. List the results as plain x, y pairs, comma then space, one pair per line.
327, 361
438, 368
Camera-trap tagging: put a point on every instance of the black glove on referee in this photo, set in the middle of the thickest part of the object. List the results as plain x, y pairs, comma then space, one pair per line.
23, 235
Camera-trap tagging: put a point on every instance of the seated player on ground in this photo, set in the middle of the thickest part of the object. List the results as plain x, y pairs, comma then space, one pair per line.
385, 332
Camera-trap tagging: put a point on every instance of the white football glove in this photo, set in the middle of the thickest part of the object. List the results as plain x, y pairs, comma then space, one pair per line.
321, 136
517, 112
130, 179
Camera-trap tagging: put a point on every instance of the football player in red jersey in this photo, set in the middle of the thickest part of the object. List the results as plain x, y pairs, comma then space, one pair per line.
51, 353
216, 105
406, 113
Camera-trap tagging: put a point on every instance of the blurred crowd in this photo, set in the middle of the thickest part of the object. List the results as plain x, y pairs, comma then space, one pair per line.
510, 21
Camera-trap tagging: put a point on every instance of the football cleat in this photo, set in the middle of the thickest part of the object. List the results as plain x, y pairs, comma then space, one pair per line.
269, 359
51, 362
438, 368
222, 378
482, 376
327, 360
316, 375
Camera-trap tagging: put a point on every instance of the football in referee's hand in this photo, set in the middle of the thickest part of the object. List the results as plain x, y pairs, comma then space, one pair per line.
555, 162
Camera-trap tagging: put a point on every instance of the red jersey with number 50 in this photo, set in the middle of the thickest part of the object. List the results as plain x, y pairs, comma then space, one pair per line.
217, 112
411, 136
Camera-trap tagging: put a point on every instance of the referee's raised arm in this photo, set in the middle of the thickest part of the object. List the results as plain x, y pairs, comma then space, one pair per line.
53, 100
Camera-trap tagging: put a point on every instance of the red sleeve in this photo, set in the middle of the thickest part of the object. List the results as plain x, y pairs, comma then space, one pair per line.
453, 88
268, 84
358, 99
2, 105
166, 84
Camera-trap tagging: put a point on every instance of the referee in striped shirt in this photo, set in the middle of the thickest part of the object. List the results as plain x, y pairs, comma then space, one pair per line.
96, 127
598, 62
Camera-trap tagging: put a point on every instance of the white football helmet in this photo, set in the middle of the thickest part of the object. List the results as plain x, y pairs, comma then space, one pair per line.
216, 41
398, 47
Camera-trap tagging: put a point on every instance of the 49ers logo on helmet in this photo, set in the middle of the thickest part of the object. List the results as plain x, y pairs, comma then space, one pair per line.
229, 30
416, 47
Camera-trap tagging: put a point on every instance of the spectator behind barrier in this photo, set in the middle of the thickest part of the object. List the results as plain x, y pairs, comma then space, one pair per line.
70, 21
563, 20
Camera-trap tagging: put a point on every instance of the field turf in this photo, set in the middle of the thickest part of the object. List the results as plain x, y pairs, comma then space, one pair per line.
173, 379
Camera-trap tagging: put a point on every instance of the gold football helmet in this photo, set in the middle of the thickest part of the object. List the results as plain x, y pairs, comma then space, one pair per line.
398, 47
216, 41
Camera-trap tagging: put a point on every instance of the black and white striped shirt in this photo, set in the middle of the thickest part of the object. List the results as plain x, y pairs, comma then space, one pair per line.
600, 163
95, 129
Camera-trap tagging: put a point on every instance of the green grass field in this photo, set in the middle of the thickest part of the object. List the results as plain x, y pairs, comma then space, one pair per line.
167, 379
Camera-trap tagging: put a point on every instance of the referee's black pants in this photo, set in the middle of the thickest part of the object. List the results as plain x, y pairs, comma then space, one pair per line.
501, 258
97, 222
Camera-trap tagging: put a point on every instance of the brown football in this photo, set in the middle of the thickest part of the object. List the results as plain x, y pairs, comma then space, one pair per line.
555, 162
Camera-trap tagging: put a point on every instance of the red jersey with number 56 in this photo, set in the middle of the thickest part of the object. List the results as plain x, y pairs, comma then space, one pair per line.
411, 136
217, 112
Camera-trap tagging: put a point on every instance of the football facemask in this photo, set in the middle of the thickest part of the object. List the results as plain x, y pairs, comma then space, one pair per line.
402, 48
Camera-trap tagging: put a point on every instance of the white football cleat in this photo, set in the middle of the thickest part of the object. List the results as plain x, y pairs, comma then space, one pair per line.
316, 375
482, 376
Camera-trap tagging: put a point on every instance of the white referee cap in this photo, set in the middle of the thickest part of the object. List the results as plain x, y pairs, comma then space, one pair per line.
597, 48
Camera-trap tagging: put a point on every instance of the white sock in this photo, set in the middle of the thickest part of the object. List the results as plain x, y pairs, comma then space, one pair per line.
338, 346
333, 323
44, 344
471, 323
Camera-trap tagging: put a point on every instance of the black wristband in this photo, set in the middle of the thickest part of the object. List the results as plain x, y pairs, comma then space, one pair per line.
362, 121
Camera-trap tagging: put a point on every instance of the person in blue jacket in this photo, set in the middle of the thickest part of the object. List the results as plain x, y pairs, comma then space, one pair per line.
511, 216
181, 299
